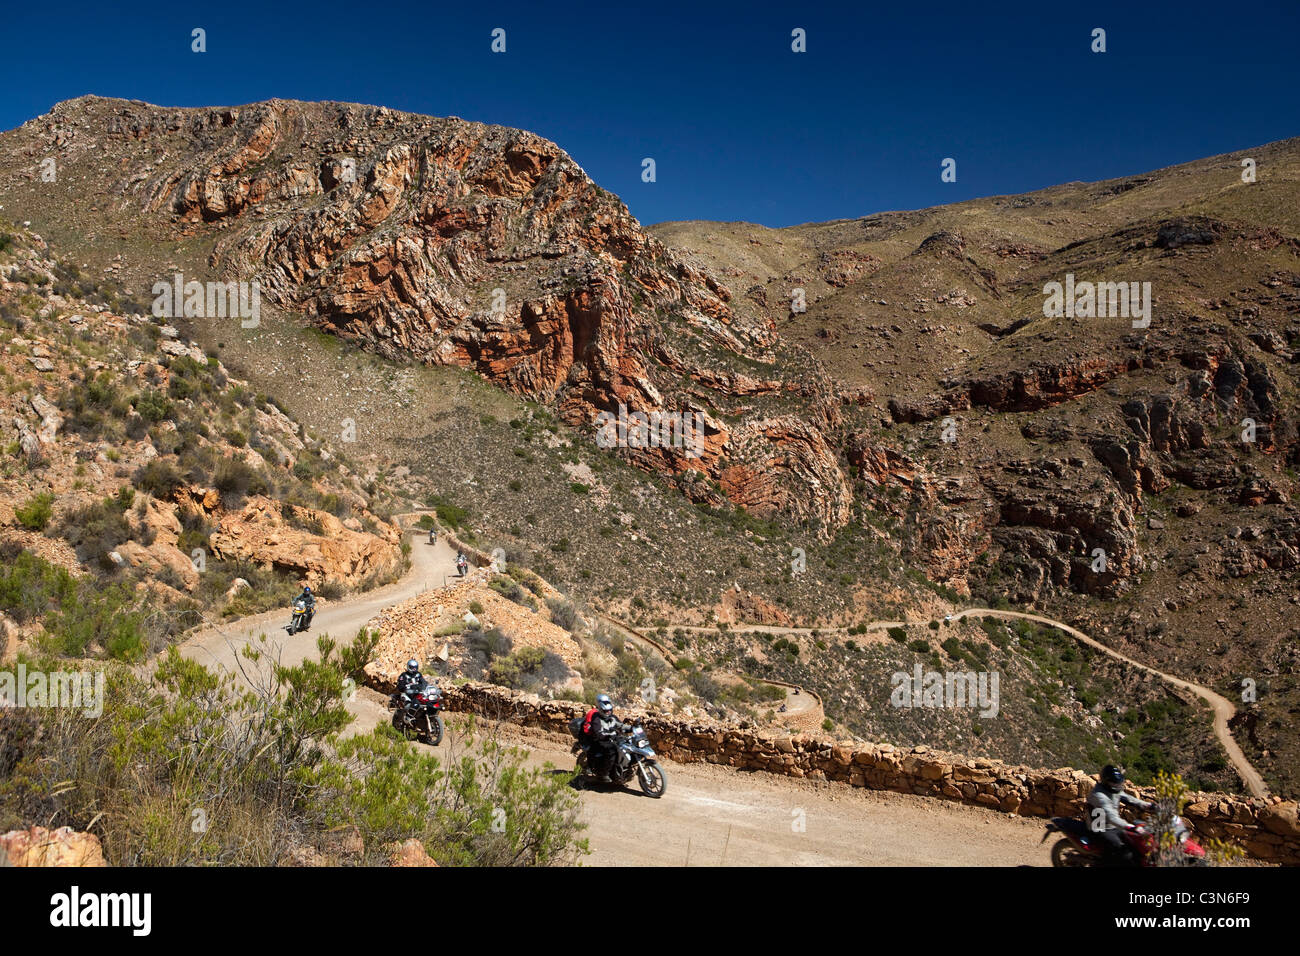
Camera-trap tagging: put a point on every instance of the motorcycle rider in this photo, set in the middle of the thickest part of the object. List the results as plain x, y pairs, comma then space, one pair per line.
462, 562
409, 683
599, 729
1104, 819
308, 599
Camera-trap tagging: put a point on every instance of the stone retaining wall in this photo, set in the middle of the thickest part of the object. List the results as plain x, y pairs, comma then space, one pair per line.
1267, 830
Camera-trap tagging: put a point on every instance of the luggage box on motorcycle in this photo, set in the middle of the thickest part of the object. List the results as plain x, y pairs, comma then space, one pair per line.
575, 726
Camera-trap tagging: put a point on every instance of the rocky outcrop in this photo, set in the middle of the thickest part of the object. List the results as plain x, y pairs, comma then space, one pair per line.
1189, 231
259, 533
38, 846
448, 617
745, 607
409, 853
489, 248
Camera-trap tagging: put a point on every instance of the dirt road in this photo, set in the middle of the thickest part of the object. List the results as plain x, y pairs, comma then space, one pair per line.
1224, 710
714, 816
709, 815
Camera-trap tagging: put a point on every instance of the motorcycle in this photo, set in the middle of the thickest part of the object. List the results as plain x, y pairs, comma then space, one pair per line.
423, 720
301, 618
1082, 847
462, 565
433, 536
633, 757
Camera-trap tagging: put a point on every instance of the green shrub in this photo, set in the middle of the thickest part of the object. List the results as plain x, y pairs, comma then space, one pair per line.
490, 644
35, 513
235, 478
152, 406
563, 614
159, 478
101, 390
74, 613
701, 684
95, 529
449, 515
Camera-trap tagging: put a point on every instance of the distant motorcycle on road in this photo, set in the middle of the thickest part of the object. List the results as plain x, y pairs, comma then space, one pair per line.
462, 565
301, 618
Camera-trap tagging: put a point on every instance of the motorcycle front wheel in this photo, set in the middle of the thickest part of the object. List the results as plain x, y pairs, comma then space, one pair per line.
1065, 853
430, 727
653, 780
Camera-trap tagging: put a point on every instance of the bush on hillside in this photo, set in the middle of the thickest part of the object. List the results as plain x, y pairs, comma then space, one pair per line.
35, 513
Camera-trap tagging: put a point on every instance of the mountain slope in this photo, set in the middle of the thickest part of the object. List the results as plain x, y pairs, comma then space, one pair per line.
1094, 468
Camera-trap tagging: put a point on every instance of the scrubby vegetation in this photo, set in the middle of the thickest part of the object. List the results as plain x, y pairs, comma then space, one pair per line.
36, 512
83, 616
1060, 704
181, 769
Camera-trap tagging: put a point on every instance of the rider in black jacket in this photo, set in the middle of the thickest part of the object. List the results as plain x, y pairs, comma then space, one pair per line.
409, 683
600, 731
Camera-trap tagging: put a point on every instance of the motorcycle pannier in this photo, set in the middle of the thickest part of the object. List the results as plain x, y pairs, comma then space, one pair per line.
575, 726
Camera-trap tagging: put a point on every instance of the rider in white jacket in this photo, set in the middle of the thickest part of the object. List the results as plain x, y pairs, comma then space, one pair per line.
1104, 819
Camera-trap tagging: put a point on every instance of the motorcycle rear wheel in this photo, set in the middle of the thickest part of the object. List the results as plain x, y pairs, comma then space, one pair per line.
1065, 853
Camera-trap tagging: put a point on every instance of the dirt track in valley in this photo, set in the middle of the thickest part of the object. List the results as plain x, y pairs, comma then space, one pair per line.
1223, 709
709, 815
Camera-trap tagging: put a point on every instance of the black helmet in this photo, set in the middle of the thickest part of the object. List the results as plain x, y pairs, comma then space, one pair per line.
307, 588
412, 666
604, 704
1112, 778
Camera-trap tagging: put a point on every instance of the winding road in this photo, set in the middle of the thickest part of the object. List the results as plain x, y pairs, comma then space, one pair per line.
709, 815
1224, 710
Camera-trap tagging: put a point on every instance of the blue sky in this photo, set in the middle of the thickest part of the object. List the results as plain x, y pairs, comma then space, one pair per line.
740, 127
